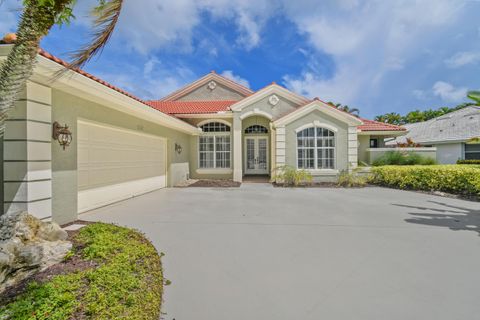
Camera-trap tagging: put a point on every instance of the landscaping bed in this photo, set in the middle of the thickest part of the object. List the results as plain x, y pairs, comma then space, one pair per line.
216, 183
111, 273
462, 180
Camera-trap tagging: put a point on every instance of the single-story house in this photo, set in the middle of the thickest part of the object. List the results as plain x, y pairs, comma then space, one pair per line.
121, 146
453, 134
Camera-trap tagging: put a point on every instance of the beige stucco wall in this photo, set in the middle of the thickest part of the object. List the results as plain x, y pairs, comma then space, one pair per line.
220, 92
364, 144
283, 107
341, 156
67, 109
195, 173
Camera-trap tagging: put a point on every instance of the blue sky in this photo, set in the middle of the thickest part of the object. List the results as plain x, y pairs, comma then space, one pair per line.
378, 56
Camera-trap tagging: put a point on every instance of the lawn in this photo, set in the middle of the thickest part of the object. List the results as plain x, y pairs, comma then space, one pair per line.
111, 273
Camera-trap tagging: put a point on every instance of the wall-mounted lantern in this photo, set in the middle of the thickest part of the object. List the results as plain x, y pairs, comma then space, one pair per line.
178, 148
62, 134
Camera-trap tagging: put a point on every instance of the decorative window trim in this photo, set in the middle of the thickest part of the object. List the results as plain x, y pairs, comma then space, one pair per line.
316, 169
318, 124
215, 135
254, 112
201, 123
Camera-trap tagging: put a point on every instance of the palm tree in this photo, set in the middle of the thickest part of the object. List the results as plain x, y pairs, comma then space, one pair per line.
345, 108
37, 18
475, 96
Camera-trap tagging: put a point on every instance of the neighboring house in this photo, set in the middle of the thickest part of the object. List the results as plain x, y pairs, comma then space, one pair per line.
122, 146
451, 134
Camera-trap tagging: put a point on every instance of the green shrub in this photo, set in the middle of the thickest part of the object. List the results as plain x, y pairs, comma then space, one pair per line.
401, 158
464, 180
125, 281
289, 176
473, 161
351, 180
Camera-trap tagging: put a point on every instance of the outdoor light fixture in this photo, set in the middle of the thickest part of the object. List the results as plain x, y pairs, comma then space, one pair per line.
62, 134
178, 148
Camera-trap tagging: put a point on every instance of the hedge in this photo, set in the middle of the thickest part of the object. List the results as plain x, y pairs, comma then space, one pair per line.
123, 280
456, 179
468, 161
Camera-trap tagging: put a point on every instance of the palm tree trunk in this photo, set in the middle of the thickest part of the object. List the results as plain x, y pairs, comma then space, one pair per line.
35, 22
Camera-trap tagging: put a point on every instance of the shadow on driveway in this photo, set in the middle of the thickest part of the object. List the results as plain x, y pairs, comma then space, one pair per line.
448, 216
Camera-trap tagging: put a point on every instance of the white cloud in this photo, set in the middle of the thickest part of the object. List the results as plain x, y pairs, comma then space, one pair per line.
230, 75
461, 59
368, 40
9, 9
448, 92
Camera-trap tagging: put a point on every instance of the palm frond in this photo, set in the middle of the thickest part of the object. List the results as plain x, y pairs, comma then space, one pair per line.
474, 95
106, 17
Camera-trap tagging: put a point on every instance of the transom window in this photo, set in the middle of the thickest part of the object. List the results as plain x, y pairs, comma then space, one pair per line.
256, 129
214, 146
215, 127
316, 148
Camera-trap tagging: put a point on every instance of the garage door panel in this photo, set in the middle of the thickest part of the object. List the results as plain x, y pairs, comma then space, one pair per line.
115, 163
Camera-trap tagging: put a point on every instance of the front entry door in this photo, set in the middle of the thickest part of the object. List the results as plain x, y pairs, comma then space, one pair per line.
256, 155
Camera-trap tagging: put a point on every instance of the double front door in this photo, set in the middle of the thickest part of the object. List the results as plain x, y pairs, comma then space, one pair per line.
256, 155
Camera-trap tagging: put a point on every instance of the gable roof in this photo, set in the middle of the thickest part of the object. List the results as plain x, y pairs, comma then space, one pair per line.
321, 106
267, 91
212, 76
192, 107
460, 125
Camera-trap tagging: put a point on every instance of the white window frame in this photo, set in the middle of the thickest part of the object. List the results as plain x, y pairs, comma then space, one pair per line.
215, 135
316, 148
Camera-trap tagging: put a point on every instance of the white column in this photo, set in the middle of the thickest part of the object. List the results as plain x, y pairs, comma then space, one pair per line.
237, 148
352, 148
280, 146
27, 154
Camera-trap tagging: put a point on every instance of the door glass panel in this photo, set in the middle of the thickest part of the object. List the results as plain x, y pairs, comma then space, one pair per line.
262, 154
250, 154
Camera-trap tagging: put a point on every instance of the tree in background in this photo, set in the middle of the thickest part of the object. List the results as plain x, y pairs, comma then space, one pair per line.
419, 116
36, 20
475, 96
345, 108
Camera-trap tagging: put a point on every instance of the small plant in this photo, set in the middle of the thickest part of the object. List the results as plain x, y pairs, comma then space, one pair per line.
471, 161
351, 180
289, 176
408, 144
400, 158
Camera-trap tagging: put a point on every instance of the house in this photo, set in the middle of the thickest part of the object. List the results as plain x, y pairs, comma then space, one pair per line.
109, 145
453, 135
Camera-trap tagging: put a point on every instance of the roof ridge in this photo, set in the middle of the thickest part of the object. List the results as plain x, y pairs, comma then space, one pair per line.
246, 91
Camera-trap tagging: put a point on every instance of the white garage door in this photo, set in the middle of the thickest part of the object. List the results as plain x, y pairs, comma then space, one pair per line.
116, 164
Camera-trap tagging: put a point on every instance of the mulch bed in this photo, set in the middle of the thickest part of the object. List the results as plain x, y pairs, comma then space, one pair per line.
206, 183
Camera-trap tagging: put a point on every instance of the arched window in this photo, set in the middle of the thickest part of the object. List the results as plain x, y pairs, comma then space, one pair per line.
215, 127
256, 129
316, 148
214, 146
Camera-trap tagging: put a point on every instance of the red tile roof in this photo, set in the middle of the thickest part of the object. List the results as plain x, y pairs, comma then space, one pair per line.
370, 125
191, 107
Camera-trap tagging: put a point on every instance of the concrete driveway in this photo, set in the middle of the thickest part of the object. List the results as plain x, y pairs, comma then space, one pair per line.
259, 252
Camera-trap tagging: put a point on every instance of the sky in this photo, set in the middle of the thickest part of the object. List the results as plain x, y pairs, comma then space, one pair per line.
375, 55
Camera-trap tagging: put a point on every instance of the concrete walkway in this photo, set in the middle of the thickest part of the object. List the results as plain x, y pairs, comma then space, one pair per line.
259, 252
